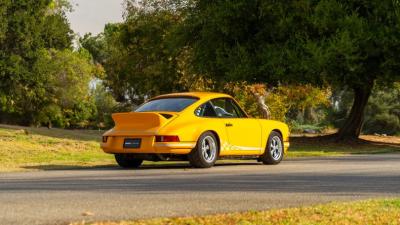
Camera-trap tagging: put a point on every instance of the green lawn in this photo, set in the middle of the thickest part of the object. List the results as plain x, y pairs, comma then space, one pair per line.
383, 211
29, 148
26, 148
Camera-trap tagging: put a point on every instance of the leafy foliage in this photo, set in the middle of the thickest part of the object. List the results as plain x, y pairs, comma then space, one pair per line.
339, 43
293, 53
105, 106
56, 32
383, 111
27, 28
18, 52
67, 102
280, 99
136, 55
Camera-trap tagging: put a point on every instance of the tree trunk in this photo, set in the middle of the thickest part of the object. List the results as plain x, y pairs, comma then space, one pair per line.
309, 115
353, 124
263, 108
260, 93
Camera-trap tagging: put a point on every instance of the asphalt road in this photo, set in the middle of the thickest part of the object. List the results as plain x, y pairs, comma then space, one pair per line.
63, 196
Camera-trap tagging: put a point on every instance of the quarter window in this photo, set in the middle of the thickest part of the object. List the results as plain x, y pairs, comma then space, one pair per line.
205, 110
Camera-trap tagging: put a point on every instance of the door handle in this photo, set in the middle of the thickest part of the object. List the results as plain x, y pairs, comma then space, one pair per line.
228, 125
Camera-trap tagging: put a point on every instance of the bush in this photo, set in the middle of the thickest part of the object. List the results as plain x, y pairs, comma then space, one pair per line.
67, 102
305, 128
382, 114
298, 100
382, 124
105, 105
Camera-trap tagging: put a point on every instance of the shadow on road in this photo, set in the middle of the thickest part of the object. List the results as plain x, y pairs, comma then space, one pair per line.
209, 182
50, 167
148, 166
361, 174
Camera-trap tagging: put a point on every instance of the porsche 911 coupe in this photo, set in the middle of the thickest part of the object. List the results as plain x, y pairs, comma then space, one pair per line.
197, 126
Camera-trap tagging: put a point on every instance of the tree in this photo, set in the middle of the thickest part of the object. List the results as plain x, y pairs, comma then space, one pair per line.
67, 102
56, 32
328, 42
136, 54
18, 52
27, 27
3, 20
105, 104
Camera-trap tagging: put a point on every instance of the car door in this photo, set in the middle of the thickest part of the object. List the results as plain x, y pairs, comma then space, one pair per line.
208, 120
244, 134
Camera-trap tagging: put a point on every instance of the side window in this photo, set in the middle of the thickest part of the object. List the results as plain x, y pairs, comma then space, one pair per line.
239, 110
205, 110
223, 107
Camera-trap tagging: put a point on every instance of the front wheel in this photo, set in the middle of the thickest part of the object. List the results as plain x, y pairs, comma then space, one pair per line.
205, 154
128, 161
274, 150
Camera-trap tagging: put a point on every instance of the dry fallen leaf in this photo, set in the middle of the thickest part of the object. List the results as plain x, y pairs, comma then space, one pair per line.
87, 214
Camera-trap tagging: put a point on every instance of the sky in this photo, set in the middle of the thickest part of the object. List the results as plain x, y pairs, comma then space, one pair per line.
92, 15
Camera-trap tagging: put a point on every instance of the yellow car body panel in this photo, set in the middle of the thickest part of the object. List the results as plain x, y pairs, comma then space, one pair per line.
236, 136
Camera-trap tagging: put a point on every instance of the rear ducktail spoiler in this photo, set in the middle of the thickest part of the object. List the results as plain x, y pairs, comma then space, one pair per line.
141, 120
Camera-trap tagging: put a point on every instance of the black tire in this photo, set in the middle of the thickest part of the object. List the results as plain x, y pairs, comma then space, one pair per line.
197, 158
272, 154
128, 161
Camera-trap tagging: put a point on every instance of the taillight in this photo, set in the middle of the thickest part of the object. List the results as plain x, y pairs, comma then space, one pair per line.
105, 139
168, 138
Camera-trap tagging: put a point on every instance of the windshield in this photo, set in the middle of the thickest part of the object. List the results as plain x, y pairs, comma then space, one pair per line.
166, 104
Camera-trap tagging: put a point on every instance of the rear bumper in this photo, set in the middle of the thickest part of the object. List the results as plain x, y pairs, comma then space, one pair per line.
115, 144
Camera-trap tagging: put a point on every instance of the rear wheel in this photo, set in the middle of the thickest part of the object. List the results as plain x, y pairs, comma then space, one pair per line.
274, 150
205, 154
128, 161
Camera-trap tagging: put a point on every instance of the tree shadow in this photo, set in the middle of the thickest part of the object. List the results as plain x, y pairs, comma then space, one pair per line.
77, 134
50, 167
365, 141
151, 166
200, 182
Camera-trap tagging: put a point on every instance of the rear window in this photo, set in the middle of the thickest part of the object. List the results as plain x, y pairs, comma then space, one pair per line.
166, 104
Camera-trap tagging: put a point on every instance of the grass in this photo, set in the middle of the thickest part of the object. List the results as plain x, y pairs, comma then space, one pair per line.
27, 148
382, 211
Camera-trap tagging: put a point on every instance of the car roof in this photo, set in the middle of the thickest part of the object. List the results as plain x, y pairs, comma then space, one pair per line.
200, 95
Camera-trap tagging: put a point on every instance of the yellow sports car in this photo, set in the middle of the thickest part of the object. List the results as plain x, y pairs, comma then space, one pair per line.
196, 126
